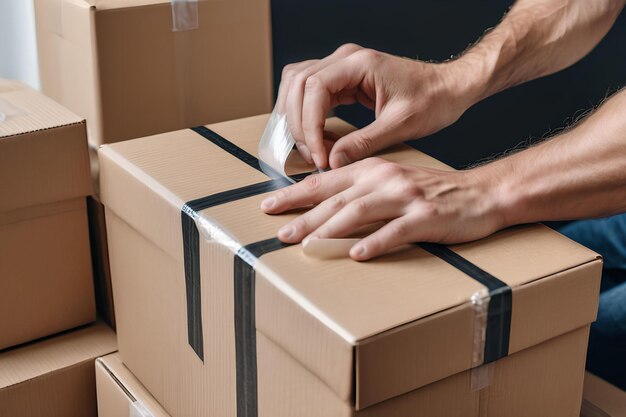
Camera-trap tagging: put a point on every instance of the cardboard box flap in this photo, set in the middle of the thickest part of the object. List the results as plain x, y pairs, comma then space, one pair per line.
43, 150
52, 354
335, 316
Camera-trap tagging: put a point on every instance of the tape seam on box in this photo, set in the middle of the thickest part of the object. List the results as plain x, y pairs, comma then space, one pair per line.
490, 342
184, 15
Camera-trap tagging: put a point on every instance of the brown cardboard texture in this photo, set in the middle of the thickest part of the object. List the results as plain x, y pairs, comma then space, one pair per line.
602, 399
45, 269
543, 380
369, 331
120, 64
54, 377
120, 394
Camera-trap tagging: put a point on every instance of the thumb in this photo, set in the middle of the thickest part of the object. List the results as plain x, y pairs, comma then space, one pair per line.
363, 143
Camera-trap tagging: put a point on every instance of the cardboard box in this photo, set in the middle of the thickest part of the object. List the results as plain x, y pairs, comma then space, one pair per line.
197, 273
45, 267
120, 394
602, 399
54, 377
120, 64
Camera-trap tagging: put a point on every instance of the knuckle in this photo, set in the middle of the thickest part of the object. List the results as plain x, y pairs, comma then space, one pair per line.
348, 48
312, 182
359, 207
388, 169
289, 71
336, 202
399, 229
364, 144
367, 55
312, 83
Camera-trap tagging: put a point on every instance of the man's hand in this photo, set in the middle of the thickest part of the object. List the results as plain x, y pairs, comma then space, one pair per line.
417, 204
411, 99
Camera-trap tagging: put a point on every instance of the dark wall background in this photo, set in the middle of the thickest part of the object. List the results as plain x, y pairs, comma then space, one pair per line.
437, 29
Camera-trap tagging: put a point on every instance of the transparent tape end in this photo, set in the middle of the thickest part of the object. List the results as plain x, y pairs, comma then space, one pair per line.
137, 409
276, 144
480, 375
184, 15
9, 110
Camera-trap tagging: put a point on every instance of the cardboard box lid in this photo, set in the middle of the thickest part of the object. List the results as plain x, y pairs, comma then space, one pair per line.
408, 310
43, 150
128, 386
34, 360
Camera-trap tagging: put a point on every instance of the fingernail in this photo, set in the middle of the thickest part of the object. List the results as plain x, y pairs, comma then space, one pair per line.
286, 232
342, 159
308, 238
304, 151
358, 250
268, 203
316, 160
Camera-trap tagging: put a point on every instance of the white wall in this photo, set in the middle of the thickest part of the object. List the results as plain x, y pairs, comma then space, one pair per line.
18, 45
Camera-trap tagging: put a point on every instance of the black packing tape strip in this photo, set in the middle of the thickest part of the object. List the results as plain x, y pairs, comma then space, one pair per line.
500, 304
191, 236
245, 323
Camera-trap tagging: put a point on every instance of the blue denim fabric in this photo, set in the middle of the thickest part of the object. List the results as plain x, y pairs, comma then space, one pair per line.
606, 356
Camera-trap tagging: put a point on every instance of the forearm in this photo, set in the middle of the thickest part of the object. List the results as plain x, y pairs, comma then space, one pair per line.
578, 174
536, 38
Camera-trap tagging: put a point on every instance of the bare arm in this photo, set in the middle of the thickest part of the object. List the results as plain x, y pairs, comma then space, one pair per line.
577, 174
537, 38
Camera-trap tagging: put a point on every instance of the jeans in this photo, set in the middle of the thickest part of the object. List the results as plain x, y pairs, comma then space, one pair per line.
606, 356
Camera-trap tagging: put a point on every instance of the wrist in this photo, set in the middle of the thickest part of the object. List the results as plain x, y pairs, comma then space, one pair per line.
503, 196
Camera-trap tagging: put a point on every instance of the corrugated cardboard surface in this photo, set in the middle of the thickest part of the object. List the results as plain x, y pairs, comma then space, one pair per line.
54, 377
118, 389
43, 151
45, 269
404, 311
544, 380
601, 399
120, 65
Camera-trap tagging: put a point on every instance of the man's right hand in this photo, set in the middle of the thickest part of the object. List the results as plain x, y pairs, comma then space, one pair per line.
411, 99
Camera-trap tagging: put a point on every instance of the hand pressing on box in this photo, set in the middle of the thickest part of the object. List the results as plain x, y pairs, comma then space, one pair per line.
417, 204
411, 99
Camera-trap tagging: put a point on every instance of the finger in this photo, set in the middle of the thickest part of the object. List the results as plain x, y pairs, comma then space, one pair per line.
406, 229
363, 142
298, 229
355, 213
311, 190
286, 79
318, 91
295, 94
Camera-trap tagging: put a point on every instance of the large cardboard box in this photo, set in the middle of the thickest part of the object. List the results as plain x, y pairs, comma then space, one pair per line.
602, 399
54, 377
200, 283
122, 66
120, 394
45, 267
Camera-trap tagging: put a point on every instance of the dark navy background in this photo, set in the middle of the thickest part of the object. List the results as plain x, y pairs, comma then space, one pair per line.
437, 29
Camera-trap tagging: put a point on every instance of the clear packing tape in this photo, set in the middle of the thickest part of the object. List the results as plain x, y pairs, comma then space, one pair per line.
275, 146
184, 15
137, 409
9, 110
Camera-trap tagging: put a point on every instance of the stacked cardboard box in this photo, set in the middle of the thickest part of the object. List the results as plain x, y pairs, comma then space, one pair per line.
54, 377
134, 68
601, 399
45, 268
217, 317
